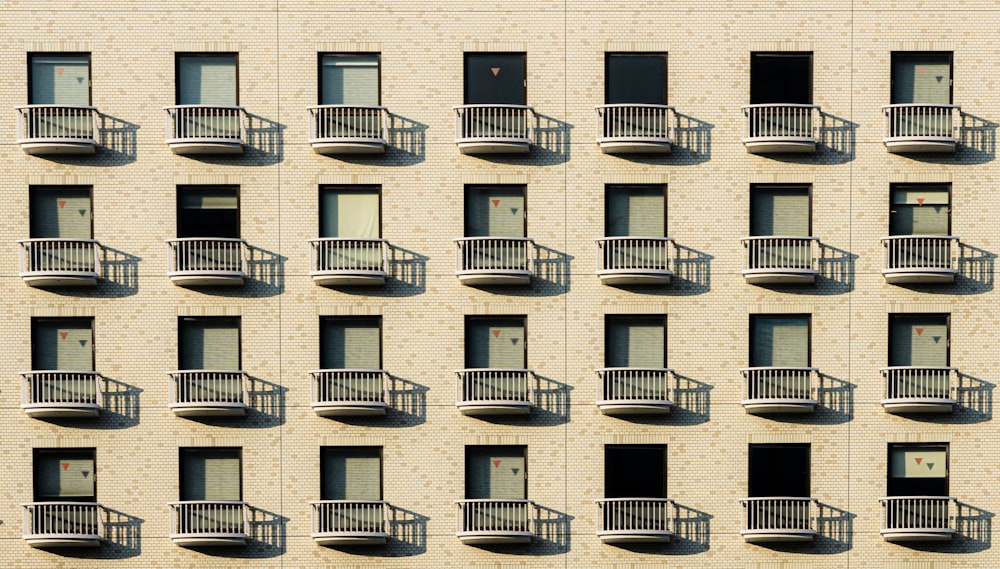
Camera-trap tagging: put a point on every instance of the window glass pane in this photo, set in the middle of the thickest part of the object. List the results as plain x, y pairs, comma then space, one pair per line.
61, 80
781, 78
349, 212
350, 343
208, 212
634, 341
60, 212
780, 342
638, 211
494, 78
349, 80
919, 210
635, 472
779, 470
64, 474
212, 474
923, 462
921, 78
494, 473
210, 343
494, 343
63, 344
635, 78
919, 341
352, 474
494, 211
206, 80
779, 211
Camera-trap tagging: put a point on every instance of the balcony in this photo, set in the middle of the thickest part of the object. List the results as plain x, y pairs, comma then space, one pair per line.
61, 394
919, 389
917, 518
494, 260
779, 389
63, 524
780, 128
348, 129
494, 129
495, 521
635, 260
205, 129
209, 393
919, 128
635, 128
198, 523
57, 129
59, 262
349, 392
780, 260
348, 262
212, 261
494, 391
634, 391
349, 522
779, 519
635, 520
919, 259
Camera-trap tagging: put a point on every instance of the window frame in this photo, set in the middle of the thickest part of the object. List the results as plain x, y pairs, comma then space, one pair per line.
93, 335
180, 465
947, 463
486, 317
751, 328
469, 188
180, 335
947, 324
327, 317
38, 188
346, 55
183, 188
609, 189
465, 71
90, 71
467, 476
324, 450
36, 452
803, 54
609, 55
625, 317
334, 187
178, 55
951, 70
929, 185
781, 187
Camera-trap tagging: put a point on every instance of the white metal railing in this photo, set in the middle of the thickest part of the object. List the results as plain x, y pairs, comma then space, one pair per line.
349, 385
486, 385
209, 387
60, 388
919, 382
208, 255
778, 514
917, 120
638, 515
779, 253
917, 512
206, 123
780, 121
348, 123
349, 516
639, 254
622, 384
919, 252
495, 516
495, 254
494, 122
779, 382
345, 255
635, 121
57, 123
223, 518
63, 519
58, 255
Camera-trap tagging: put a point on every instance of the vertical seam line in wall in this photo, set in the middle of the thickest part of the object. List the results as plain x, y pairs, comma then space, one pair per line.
853, 277
568, 276
282, 273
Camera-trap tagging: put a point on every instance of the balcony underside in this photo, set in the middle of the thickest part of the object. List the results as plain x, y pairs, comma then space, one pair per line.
209, 409
907, 405
617, 277
58, 146
921, 144
781, 276
495, 277
334, 146
635, 536
207, 278
780, 144
493, 145
635, 145
778, 535
334, 539
764, 406
59, 278
62, 540
495, 537
62, 410
919, 276
635, 407
195, 146
349, 278
478, 408
350, 409
209, 539
917, 534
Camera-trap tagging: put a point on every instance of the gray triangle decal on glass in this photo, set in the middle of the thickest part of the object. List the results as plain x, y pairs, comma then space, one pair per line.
937, 339
83, 212
513, 341
515, 470
79, 80
513, 211
930, 466
82, 343
85, 473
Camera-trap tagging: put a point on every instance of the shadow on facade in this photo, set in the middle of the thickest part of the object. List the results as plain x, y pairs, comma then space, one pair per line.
120, 272
834, 404
266, 270
975, 404
692, 140
407, 407
692, 531
835, 529
118, 139
122, 539
691, 401
973, 533
837, 139
407, 536
119, 409
977, 139
836, 270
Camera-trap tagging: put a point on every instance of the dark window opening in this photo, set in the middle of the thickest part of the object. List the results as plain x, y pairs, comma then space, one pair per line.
211, 474
62, 344
496, 472
495, 342
495, 211
780, 210
635, 472
918, 340
350, 343
921, 78
635, 78
59, 79
349, 79
779, 340
920, 209
209, 343
780, 78
207, 79
208, 212
635, 341
495, 79
60, 212
918, 470
65, 475
779, 470
351, 473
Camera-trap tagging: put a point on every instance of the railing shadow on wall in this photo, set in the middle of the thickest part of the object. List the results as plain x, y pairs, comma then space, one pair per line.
120, 271
977, 139
837, 136
265, 141
834, 403
407, 406
691, 400
407, 271
122, 539
834, 528
836, 270
973, 533
975, 270
121, 404
407, 141
692, 272
692, 140
407, 535
117, 138
265, 272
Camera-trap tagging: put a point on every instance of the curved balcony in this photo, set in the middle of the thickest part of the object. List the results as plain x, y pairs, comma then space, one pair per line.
63, 524
779, 389
198, 523
348, 129
919, 259
921, 128
494, 129
635, 260
494, 260
206, 129
917, 518
778, 259
635, 128
919, 389
57, 129
635, 520
634, 391
207, 261
59, 262
780, 128
61, 394
337, 261
349, 522
494, 391
778, 519
209, 393
349, 392
495, 521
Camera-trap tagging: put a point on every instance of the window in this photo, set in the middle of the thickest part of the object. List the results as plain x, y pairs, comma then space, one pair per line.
495, 473
350, 343
779, 470
635, 78
349, 79
208, 211
350, 212
211, 474
635, 341
210, 343
780, 78
59, 79
65, 475
633, 471
918, 340
495, 342
495, 211
495, 79
920, 209
351, 473
61, 212
918, 470
780, 210
779, 341
639, 211
921, 78
207, 79
62, 344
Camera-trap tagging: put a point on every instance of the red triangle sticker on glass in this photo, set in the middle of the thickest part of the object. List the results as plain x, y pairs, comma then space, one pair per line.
63, 335
65, 465
496, 464
495, 70
496, 333
496, 203
920, 201
918, 459
920, 331
60, 70
62, 204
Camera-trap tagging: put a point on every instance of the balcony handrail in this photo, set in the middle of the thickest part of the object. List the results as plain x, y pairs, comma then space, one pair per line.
930, 368
320, 254
765, 237
746, 501
493, 106
495, 500
928, 121
496, 369
220, 502
55, 240
519, 374
55, 106
638, 368
232, 107
182, 525
31, 396
58, 255
181, 396
509, 250
779, 252
334, 239
937, 105
220, 239
505, 122
778, 513
782, 105
906, 237
186, 257
383, 502
471, 239
643, 105
606, 500
788, 121
28, 130
638, 122
635, 237
319, 376
885, 499
177, 131
787, 368
372, 107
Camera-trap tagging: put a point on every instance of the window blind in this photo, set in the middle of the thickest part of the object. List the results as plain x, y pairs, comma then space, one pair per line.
780, 342
207, 80
919, 210
349, 212
919, 341
349, 80
350, 343
210, 343
352, 474
65, 344
60, 213
918, 462
779, 211
634, 342
60, 80
495, 473
635, 210
496, 211
210, 474
61, 475
921, 78
495, 343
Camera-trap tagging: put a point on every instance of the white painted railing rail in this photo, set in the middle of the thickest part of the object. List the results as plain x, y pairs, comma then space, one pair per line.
336, 254
208, 254
61, 388
624, 384
778, 514
920, 252
515, 123
208, 517
639, 515
484, 385
779, 382
206, 123
653, 254
348, 123
209, 387
349, 385
79, 520
635, 121
917, 512
57, 123
349, 516
780, 121
58, 255
779, 252
495, 517
920, 382
499, 254
919, 120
